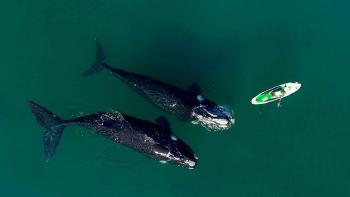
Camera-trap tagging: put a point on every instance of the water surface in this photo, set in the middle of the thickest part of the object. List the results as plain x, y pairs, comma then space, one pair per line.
232, 49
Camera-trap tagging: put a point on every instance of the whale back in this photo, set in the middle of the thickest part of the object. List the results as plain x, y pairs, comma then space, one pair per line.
167, 97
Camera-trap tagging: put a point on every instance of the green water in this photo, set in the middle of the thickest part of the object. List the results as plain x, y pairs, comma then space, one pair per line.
232, 49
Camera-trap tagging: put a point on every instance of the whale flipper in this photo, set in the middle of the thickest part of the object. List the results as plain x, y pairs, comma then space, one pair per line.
100, 61
53, 128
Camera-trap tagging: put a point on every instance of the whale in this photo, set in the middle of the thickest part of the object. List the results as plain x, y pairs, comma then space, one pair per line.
186, 104
153, 139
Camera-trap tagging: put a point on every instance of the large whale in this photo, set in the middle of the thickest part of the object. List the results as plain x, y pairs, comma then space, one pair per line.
152, 139
185, 104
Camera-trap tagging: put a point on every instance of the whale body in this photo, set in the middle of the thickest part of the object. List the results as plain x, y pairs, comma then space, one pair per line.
154, 140
187, 104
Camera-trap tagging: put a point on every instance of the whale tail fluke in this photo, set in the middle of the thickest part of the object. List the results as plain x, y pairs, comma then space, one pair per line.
99, 63
53, 126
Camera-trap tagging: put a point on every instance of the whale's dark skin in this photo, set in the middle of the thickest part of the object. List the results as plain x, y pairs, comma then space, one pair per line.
152, 139
185, 104
177, 101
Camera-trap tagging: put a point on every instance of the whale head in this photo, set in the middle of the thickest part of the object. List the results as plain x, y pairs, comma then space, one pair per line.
212, 116
177, 152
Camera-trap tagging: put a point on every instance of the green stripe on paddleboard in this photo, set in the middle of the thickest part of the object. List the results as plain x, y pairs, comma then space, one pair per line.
264, 97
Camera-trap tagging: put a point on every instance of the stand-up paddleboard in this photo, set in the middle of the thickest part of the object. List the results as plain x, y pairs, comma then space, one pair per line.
276, 93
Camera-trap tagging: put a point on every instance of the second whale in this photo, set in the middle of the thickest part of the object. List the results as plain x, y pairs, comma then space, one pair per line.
185, 104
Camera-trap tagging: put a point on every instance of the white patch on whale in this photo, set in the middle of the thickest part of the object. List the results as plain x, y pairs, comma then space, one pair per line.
171, 157
173, 137
200, 98
212, 123
213, 115
190, 163
167, 155
149, 139
115, 116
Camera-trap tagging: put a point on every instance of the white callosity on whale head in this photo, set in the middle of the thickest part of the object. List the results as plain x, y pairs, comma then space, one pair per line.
167, 155
172, 157
190, 163
213, 117
163, 154
210, 123
194, 122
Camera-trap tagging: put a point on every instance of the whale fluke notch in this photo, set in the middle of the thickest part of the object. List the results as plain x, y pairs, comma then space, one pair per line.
53, 126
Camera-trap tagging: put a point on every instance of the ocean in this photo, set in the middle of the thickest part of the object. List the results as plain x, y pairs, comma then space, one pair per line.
232, 49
